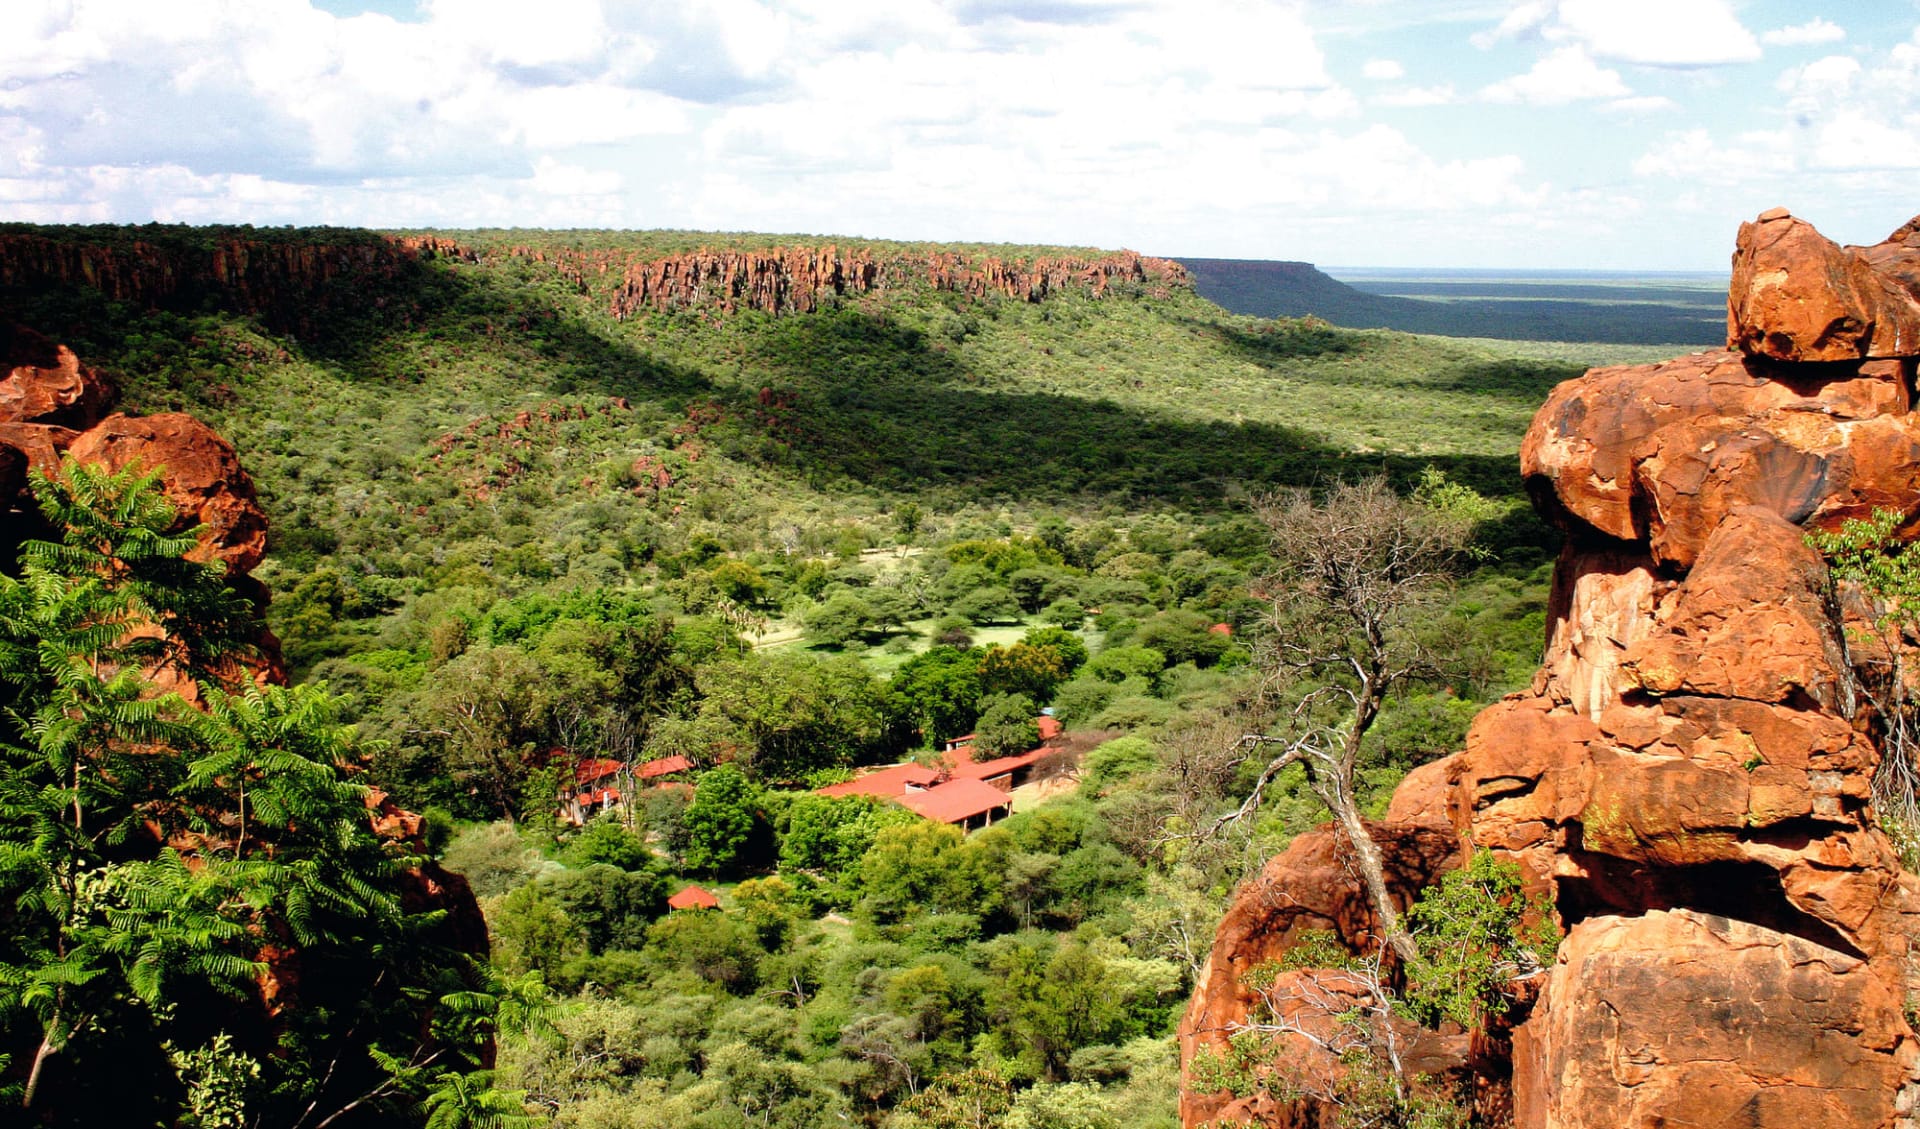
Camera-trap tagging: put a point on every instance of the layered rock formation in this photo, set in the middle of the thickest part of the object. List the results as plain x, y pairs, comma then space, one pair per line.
1689, 777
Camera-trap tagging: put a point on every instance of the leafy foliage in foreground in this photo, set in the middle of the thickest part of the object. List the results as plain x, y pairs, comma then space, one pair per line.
160, 863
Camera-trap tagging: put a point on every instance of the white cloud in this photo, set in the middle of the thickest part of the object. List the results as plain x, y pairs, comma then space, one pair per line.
1814, 31
1645, 104
1656, 33
1567, 74
1855, 139
1820, 82
1383, 70
1694, 156
1523, 21
1416, 96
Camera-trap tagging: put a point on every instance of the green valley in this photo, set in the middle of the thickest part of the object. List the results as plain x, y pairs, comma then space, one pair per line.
523, 521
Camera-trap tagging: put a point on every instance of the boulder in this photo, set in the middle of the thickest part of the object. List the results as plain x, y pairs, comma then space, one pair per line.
46, 383
1658, 455
1681, 1018
200, 475
1796, 295
1737, 631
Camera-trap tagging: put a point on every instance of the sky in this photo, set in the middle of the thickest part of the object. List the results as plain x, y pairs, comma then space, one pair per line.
1544, 134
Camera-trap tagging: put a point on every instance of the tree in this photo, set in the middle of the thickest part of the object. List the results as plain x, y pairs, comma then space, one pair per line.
1354, 573
788, 715
1869, 558
843, 618
973, 1099
163, 861
1023, 668
486, 708
1006, 727
937, 692
721, 819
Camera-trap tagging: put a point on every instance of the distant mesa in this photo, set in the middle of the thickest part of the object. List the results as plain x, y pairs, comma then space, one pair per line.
1625, 311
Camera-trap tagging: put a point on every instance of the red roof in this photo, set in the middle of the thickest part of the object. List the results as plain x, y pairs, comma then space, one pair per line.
887, 783
956, 801
693, 897
1221, 629
665, 766
1047, 724
966, 768
600, 795
594, 768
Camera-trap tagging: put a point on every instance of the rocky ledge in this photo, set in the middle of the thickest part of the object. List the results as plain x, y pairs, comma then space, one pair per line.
1688, 779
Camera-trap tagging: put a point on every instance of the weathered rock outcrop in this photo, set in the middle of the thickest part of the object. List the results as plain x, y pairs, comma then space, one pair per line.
790, 280
51, 405
1689, 777
1798, 296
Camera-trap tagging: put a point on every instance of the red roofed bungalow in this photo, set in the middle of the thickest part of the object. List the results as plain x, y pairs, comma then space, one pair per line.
886, 784
693, 897
969, 804
1003, 773
588, 770
593, 791
665, 766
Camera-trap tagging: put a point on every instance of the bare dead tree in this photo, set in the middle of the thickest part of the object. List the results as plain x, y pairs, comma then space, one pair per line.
1356, 573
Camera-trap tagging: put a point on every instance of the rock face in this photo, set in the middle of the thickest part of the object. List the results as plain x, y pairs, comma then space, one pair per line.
1308, 888
201, 476
1798, 296
1689, 777
290, 280
789, 280
47, 394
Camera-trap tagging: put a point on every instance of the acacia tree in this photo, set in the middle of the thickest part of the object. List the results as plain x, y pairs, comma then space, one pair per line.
1355, 574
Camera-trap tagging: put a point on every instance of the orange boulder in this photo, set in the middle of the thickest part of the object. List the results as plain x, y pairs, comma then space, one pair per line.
201, 476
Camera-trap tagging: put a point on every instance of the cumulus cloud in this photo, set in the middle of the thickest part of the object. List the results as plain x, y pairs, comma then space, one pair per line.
1814, 31
1417, 96
1566, 74
1096, 121
1655, 33
1644, 104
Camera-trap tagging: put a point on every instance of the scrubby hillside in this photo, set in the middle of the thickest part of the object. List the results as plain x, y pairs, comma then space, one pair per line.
785, 507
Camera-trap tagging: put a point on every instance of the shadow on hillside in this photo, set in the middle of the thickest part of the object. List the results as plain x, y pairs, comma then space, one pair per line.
1523, 382
467, 308
894, 411
1286, 339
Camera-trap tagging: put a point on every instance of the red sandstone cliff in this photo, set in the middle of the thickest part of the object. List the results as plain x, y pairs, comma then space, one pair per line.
1688, 777
287, 279
787, 280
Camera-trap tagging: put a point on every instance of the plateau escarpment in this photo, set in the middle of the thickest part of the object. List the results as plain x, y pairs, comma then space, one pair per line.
290, 278
798, 279
1690, 776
